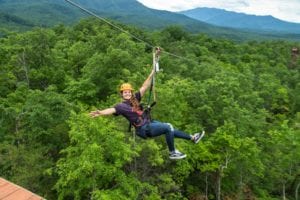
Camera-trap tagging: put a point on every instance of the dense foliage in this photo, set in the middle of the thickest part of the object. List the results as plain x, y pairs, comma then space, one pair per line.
246, 96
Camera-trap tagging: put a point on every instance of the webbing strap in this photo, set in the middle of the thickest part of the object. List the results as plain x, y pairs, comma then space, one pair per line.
156, 53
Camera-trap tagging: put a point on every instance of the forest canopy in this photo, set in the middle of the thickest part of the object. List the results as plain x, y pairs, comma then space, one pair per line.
245, 95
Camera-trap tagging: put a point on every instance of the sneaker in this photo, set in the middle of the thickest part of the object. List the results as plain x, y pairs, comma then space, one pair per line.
197, 137
176, 155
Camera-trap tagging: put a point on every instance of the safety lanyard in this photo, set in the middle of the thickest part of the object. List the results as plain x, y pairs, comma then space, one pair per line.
156, 54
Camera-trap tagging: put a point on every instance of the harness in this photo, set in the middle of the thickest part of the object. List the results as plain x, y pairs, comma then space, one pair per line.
146, 113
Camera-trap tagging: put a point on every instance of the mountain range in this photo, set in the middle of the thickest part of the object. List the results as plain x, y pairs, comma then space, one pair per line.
224, 18
25, 14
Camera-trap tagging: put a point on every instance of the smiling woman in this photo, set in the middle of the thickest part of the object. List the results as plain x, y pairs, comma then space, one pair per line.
145, 127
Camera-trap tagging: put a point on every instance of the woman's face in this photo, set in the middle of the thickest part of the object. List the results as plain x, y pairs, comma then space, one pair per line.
126, 94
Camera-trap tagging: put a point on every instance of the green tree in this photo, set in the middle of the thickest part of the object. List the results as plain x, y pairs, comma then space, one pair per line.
34, 132
92, 166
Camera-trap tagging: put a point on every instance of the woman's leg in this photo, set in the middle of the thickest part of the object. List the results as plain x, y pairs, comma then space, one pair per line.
179, 134
158, 128
183, 135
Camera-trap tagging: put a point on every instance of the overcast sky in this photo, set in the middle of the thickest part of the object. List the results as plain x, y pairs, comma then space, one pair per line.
288, 10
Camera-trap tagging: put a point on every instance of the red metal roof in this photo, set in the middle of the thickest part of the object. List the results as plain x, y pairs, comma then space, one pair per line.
10, 191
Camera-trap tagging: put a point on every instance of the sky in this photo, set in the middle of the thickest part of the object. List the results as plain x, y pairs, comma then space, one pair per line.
287, 10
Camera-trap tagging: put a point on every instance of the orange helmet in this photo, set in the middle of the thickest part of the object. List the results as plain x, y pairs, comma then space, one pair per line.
126, 86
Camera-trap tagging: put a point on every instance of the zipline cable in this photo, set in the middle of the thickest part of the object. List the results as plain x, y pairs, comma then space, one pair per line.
106, 21
121, 29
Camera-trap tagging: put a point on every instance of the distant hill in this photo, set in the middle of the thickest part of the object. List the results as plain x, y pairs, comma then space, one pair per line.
43, 13
231, 19
134, 13
49, 13
14, 21
25, 14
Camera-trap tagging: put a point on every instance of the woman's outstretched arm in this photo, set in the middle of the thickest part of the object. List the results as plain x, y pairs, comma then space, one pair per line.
97, 113
146, 83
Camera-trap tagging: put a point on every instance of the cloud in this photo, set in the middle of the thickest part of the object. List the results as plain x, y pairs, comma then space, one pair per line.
178, 5
285, 10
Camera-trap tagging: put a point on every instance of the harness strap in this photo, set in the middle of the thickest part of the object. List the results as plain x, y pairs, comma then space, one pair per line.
146, 113
156, 54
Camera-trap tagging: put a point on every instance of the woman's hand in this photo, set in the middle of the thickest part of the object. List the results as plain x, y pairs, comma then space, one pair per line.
95, 113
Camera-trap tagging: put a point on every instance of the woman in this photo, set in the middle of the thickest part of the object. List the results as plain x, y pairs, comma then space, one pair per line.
130, 108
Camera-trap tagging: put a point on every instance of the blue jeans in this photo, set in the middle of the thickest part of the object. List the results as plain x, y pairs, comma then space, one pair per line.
156, 128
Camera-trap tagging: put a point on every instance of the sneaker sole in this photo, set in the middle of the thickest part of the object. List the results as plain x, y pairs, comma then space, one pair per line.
201, 136
177, 158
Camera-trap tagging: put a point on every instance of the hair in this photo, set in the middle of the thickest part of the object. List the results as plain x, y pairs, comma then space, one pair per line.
135, 103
